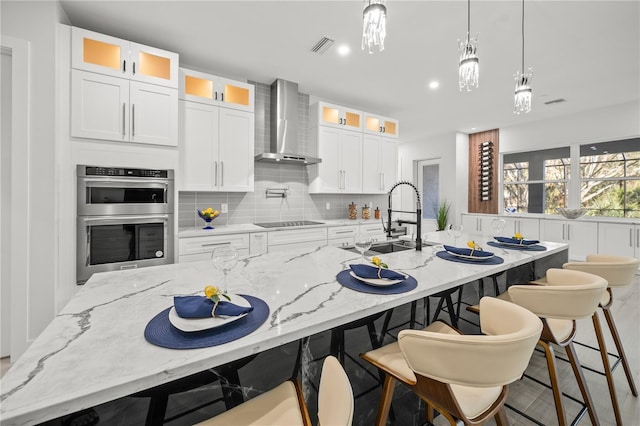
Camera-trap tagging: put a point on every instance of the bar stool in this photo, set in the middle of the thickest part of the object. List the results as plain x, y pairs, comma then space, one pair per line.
619, 272
464, 377
567, 296
284, 405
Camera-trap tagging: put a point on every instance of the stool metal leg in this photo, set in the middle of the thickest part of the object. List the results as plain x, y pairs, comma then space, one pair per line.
620, 349
607, 367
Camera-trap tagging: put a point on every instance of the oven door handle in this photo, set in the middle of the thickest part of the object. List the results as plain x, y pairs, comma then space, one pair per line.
102, 183
120, 219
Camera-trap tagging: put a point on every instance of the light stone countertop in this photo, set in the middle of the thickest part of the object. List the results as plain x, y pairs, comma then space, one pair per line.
250, 227
94, 350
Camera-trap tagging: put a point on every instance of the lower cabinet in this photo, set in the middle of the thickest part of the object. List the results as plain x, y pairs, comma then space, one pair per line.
338, 236
297, 238
619, 239
193, 249
581, 236
528, 227
374, 229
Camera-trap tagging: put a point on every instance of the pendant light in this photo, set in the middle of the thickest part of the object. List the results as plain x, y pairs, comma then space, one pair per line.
468, 71
374, 25
522, 96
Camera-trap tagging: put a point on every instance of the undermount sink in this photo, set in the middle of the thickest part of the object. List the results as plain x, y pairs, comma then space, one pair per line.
384, 247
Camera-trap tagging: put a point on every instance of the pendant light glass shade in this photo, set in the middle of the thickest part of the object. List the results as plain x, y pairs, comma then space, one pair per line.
468, 67
522, 97
468, 70
523, 93
374, 25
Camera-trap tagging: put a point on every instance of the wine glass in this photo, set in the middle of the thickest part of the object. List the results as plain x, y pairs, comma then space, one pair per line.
224, 259
454, 231
498, 225
362, 241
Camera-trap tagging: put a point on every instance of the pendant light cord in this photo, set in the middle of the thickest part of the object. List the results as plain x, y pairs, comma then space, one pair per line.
468, 19
522, 36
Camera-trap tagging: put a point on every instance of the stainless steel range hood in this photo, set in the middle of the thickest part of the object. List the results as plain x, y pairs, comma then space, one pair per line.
284, 126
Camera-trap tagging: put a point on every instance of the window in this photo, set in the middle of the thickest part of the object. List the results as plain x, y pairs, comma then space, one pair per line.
610, 178
536, 181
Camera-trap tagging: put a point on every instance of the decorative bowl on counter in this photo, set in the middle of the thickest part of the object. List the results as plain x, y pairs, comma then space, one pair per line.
208, 215
572, 213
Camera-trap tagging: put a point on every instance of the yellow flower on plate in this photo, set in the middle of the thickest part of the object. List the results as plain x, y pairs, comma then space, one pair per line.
376, 261
472, 244
211, 291
518, 236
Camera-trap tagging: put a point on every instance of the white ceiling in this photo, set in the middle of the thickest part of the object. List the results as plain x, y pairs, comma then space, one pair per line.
587, 52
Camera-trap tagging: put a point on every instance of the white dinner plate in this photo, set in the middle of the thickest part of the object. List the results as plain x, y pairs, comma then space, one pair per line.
515, 244
378, 282
467, 257
199, 324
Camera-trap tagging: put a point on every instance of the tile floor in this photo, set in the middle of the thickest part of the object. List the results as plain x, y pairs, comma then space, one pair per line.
275, 366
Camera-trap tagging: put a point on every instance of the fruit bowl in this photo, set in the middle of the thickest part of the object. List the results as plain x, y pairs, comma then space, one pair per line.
208, 215
572, 213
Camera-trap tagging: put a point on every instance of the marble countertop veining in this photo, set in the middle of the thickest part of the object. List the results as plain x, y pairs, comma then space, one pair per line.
94, 350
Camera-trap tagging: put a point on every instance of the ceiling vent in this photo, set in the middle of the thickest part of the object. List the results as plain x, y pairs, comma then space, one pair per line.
322, 46
555, 101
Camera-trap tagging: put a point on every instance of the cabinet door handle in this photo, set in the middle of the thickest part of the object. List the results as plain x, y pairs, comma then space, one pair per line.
630, 237
215, 244
221, 97
124, 65
380, 129
383, 181
563, 231
343, 232
569, 231
222, 173
384, 129
133, 120
258, 236
215, 173
133, 68
124, 114
215, 96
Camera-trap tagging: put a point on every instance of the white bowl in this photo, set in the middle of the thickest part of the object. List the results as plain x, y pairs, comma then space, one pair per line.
572, 213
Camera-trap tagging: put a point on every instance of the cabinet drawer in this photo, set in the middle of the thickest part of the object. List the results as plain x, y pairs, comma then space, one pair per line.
342, 232
276, 238
375, 230
242, 253
199, 245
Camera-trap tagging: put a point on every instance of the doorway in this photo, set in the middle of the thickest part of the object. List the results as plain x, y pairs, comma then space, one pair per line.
428, 179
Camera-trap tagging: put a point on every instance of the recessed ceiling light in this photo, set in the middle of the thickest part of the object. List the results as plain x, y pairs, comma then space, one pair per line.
344, 50
434, 85
473, 128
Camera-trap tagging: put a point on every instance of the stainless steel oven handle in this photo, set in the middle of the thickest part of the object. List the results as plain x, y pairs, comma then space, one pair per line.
125, 181
96, 220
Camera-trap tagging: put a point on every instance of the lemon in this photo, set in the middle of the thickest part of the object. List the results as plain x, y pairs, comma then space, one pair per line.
210, 291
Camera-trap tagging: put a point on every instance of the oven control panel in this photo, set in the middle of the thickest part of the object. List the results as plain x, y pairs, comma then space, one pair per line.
123, 172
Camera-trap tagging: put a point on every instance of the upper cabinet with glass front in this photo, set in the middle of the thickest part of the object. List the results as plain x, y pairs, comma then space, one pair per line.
99, 53
338, 116
379, 125
210, 89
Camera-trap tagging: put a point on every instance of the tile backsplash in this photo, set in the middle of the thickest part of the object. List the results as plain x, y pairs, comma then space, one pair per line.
257, 206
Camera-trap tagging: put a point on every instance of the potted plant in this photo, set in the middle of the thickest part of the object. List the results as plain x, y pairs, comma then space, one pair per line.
442, 215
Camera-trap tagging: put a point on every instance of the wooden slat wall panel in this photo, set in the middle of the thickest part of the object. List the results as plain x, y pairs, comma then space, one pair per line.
475, 203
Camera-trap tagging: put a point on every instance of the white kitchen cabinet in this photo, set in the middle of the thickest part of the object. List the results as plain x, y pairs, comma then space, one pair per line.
374, 229
193, 249
341, 166
304, 238
479, 224
326, 114
376, 124
341, 235
582, 237
379, 161
619, 239
216, 148
103, 54
109, 108
528, 227
258, 243
210, 89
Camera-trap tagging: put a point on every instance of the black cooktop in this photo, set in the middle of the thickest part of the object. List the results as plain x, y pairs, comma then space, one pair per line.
288, 223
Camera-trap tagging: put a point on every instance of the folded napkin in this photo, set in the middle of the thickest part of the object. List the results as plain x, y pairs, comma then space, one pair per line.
370, 271
467, 251
200, 307
515, 241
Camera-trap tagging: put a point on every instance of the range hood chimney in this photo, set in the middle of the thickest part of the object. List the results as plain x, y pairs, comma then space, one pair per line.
284, 126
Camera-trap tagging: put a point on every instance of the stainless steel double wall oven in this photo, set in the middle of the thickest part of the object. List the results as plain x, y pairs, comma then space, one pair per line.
125, 219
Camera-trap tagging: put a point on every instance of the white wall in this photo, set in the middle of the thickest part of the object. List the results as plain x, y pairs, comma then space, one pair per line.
452, 151
35, 23
615, 122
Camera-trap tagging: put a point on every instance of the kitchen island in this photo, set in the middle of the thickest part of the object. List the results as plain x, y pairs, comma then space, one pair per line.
94, 351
